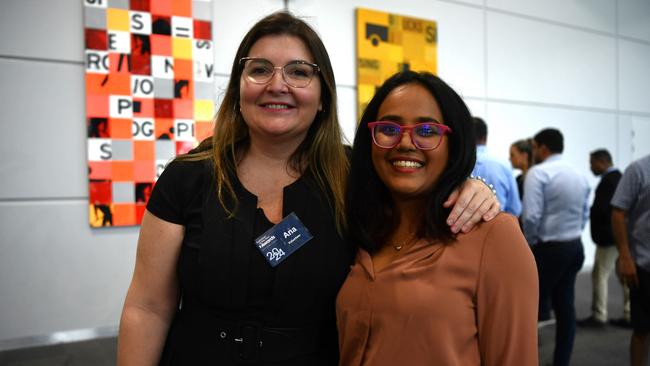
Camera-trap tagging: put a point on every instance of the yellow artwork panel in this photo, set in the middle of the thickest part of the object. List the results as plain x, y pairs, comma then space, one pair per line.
203, 110
388, 43
117, 19
182, 48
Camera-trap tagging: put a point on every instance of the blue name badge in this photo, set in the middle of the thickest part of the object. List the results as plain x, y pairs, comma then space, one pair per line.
280, 241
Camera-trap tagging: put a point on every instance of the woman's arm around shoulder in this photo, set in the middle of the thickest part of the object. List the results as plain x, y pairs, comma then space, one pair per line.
472, 202
507, 296
152, 298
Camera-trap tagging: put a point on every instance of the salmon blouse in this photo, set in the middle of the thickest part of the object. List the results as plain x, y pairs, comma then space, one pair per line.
469, 302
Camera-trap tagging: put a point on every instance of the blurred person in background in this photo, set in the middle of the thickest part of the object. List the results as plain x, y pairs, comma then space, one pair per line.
555, 213
521, 157
600, 219
495, 171
631, 227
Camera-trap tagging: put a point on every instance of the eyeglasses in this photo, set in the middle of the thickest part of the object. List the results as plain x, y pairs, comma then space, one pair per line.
425, 136
297, 74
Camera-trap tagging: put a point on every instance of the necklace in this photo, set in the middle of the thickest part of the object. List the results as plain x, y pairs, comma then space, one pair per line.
406, 243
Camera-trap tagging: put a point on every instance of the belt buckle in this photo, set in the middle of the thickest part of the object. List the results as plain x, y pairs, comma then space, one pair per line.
248, 342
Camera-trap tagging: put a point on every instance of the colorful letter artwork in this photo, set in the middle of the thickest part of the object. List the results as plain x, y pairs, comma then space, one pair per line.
388, 43
149, 97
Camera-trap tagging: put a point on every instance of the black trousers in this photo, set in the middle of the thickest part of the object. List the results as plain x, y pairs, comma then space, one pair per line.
558, 263
640, 302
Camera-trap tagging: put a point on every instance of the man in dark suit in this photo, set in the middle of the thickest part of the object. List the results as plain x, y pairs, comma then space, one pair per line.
601, 233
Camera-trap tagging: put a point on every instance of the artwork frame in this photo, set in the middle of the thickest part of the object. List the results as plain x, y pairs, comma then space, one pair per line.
150, 95
388, 43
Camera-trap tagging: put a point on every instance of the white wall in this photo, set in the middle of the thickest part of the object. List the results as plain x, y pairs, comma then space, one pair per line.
580, 66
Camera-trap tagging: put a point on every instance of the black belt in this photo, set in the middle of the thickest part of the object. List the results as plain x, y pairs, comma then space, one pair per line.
253, 342
561, 242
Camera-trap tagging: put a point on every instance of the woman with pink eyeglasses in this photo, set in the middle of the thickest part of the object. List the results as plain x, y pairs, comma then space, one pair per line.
418, 293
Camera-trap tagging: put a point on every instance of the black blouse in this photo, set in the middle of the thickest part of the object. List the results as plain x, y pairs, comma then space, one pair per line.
225, 280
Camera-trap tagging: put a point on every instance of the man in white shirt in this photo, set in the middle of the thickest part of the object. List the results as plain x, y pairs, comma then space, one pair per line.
555, 210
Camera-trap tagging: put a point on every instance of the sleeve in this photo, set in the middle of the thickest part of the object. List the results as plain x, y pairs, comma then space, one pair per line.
507, 297
533, 205
585, 206
514, 204
627, 189
501, 186
169, 198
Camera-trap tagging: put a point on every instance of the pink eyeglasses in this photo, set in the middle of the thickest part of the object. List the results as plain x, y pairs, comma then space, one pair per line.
425, 136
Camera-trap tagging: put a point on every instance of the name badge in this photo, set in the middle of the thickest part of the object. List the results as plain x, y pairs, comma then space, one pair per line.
280, 241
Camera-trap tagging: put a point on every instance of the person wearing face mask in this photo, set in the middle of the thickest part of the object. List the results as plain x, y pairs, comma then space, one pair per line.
241, 253
419, 294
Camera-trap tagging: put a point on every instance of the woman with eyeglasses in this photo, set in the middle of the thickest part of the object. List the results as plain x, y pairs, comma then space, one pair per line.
240, 254
419, 294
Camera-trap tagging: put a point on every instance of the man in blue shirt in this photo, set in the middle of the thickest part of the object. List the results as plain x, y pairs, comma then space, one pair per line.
555, 210
497, 172
631, 227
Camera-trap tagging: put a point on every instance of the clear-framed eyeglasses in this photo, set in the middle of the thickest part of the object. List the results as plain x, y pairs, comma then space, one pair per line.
297, 74
425, 136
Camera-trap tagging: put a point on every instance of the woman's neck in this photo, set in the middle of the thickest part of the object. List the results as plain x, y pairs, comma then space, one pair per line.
409, 211
273, 151
267, 160
274, 148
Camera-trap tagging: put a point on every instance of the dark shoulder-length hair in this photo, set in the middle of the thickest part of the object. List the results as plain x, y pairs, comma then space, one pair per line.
371, 217
524, 146
321, 153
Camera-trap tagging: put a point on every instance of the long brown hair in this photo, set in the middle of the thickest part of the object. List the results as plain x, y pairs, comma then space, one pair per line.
321, 152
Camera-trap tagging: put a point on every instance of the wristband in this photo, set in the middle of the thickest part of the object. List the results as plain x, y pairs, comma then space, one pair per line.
490, 186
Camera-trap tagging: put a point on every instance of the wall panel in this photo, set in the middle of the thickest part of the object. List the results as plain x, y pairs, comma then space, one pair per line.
634, 19
43, 141
537, 62
598, 15
640, 135
42, 29
634, 76
56, 273
347, 112
231, 21
477, 107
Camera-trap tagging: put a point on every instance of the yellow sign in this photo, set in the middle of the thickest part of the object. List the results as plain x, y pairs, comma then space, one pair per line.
388, 43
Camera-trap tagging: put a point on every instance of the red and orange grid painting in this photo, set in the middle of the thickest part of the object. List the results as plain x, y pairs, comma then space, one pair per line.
149, 97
